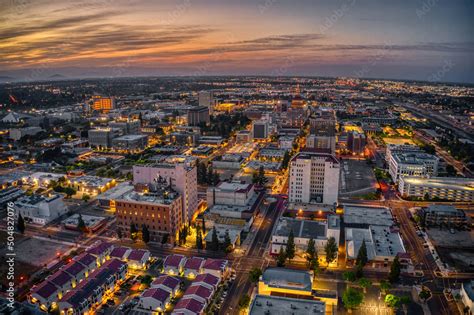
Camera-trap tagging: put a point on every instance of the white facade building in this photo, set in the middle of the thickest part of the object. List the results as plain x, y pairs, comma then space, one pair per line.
40, 209
416, 164
314, 178
446, 188
183, 176
303, 231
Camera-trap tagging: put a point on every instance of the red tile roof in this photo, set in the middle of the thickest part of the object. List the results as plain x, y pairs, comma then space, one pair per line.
215, 264
136, 254
45, 289
119, 252
173, 260
189, 304
198, 290
59, 278
157, 294
167, 281
207, 278
194, 263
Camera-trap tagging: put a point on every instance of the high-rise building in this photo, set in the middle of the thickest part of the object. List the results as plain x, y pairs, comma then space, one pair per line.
314, 177
180, 172
259, 130
198, 115
323, 122
206, 98
321, 142
102, 104
102, 137
159, 209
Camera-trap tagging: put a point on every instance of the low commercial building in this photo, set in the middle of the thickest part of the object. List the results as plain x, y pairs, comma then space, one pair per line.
266, 304
233, 199
234, 236
444, 188
375, 226
18, 133
286, 142
392, 149
286, 282
444, 215
39, 209
128, 126
101, 138
413, 164
130, 143
303, 231
91, 185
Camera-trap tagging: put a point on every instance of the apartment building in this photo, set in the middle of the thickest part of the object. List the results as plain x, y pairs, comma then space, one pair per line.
159, 209
181, 172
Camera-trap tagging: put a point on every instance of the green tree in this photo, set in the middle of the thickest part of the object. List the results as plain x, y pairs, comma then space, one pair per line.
86, 197
254, 274
385, 286
133, 231
331, 250
81, 225
290, 246
244, 302
145, 234
392, 301
281, 258
261, 176
362, 255
119, 233
349, 276
286, 160
69, 191
352, 298
20, 225
199, 244
365, 283
395, 270
227, 242
214, 240
312, 255
424, 294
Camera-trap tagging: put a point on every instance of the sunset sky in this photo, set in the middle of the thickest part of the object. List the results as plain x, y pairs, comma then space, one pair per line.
360, 38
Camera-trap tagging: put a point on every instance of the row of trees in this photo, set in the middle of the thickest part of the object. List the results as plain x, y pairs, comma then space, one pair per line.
206, 175
311, 253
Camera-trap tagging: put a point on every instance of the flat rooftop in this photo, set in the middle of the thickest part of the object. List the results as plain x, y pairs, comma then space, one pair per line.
360, 215
304, 228
277, 305
451, 183
153, 198
288, 278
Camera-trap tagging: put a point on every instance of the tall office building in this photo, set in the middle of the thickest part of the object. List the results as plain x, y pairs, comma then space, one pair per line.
206, 98
314, 177
183, 177
102, 104
198, 115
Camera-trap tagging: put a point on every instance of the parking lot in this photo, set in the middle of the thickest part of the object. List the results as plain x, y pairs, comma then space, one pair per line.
357, 177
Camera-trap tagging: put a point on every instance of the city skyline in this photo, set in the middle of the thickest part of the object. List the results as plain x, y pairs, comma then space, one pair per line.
413, 40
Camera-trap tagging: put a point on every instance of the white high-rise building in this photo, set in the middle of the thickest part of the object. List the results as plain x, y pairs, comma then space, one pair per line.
206, 98
314, 178
183, 175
